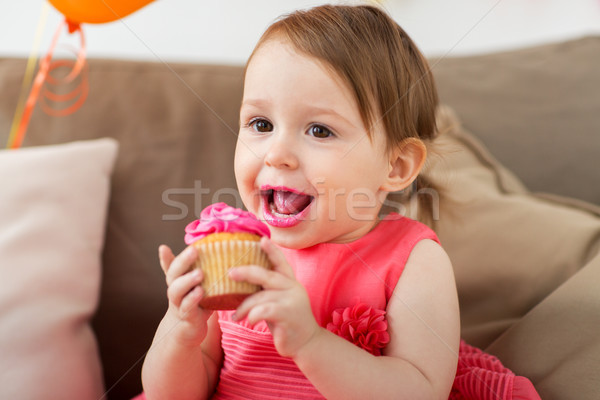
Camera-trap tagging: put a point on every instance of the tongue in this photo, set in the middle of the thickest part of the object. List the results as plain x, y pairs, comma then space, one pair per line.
288, 202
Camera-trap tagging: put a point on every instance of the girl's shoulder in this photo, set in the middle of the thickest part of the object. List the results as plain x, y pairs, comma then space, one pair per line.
400, 226
399, 234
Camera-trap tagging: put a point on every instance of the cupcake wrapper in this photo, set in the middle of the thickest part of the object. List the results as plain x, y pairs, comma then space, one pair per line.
216, 258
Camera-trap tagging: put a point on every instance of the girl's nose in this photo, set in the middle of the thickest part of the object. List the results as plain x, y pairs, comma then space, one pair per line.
281, 153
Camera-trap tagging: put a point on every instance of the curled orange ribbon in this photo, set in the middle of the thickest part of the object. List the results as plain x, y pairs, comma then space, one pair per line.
76, 96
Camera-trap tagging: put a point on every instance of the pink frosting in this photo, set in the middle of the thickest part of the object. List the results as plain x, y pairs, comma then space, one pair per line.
220, 217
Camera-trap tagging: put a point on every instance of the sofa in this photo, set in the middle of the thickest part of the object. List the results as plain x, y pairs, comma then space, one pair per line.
88, 199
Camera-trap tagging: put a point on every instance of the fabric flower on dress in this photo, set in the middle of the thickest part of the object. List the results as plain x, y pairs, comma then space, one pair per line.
361, 325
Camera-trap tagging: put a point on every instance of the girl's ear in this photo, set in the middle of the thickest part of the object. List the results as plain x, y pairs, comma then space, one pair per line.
406, 163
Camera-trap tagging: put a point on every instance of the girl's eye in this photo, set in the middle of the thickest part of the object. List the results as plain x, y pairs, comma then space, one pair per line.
261, 125
319, 131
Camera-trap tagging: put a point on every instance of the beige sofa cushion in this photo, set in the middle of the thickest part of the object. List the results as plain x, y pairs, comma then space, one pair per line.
512, 250
557, 343
536, 109
54, 204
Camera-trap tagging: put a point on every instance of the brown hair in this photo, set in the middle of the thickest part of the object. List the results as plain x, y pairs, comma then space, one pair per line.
381, 64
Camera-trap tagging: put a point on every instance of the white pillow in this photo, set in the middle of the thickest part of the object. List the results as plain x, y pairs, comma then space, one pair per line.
53, 206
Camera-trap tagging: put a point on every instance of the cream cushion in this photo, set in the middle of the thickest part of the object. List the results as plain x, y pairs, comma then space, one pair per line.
510, 248
526, 266
54, 204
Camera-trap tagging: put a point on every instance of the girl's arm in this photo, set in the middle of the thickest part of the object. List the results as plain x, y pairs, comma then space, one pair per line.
185, 357
423, 322
420, 360
174, 370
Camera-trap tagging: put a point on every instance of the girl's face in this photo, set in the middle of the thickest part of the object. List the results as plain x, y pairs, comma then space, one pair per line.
304, 163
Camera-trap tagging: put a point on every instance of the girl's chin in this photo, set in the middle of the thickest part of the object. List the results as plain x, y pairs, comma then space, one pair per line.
289, 240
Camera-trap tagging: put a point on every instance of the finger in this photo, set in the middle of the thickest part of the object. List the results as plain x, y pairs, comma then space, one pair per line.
182, 264
251, 302
260, 276
276, 257
165, 256
191, 301
181, 286
264, 311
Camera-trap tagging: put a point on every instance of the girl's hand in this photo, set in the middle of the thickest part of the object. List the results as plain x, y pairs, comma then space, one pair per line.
283, 303
184, 293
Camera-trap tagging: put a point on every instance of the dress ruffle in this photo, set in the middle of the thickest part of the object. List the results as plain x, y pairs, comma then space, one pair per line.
481, 376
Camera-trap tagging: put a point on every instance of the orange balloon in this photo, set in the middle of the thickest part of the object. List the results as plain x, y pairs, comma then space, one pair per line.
97, 11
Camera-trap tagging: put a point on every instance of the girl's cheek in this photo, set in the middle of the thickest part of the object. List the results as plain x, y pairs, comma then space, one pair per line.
245, 180
240, 169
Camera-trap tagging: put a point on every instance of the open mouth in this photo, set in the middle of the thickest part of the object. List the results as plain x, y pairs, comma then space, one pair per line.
284, 206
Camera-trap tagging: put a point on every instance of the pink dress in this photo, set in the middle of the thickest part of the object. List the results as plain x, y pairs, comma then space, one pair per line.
349, 286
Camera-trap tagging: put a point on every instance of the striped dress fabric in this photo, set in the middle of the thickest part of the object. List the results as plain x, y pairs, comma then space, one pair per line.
252, 368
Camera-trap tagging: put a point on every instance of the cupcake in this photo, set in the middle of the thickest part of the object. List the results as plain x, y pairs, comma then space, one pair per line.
226, 237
